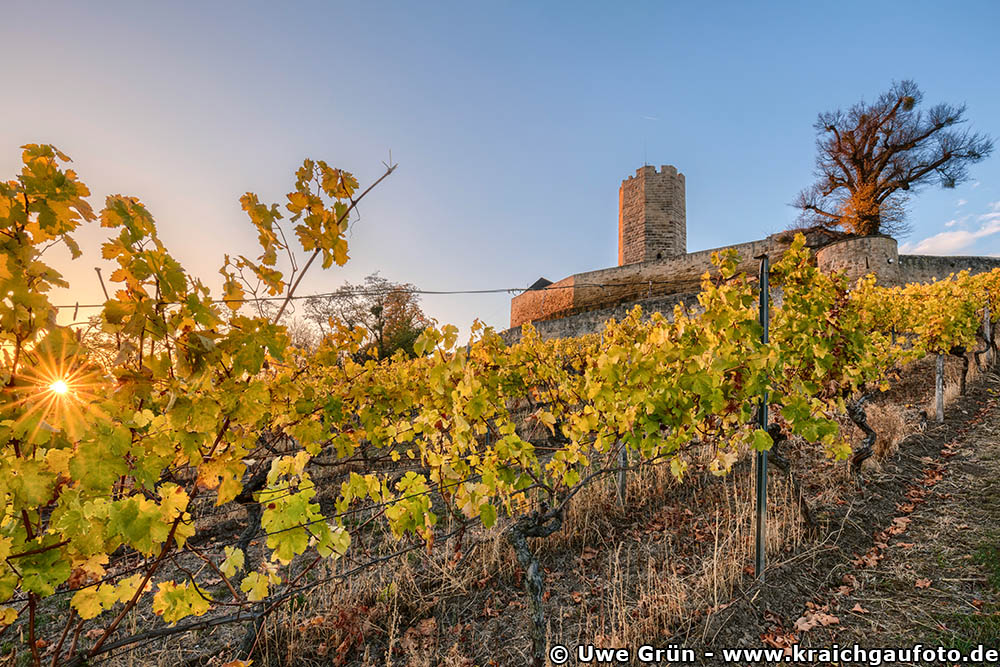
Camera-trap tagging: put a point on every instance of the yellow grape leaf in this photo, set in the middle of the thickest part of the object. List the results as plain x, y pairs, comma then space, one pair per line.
87, 603
126, 588
234, 561
255, 586
548, 419
94, 564
174, 602
678, 467
7, 615
58, 461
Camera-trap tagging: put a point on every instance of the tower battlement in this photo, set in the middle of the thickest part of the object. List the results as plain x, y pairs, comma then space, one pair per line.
652, 220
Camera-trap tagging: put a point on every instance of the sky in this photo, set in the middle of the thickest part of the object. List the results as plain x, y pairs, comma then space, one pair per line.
512, 123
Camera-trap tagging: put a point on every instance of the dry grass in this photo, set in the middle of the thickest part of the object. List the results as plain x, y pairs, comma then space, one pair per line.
889, 422
659, 593
616, 575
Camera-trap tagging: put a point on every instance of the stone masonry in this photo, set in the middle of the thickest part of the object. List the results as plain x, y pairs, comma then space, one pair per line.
655, 271
651, 216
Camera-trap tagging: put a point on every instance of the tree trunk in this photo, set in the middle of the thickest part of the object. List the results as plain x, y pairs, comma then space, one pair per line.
534, 583
939, 389
959, 351
856, 411
622, 478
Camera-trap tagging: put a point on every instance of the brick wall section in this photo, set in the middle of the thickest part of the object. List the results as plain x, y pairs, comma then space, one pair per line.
652, 220
925, 268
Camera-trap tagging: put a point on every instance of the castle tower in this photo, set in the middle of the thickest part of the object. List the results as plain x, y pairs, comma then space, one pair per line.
652, 223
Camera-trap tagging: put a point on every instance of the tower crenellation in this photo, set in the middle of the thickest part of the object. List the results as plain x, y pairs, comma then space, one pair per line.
652, 221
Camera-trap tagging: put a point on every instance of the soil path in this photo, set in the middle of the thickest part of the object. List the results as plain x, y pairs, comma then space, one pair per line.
912, 557
938, 578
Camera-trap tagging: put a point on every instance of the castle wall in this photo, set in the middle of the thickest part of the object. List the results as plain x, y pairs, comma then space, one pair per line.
606, 287
655, 271
860, 256
584, 307
925, 268
595, 289
542, 304
592, 321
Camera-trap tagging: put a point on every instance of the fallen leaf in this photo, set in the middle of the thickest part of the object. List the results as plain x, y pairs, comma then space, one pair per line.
899, 525
923, 583
778, 640
811, 619
859, 609
870, 559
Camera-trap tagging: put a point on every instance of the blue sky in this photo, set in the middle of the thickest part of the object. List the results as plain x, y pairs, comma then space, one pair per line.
512, 123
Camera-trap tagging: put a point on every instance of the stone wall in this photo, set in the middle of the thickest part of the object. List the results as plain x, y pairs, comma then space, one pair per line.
652, 219
541, 304
860, 256
592, 321
606, 288
925, 268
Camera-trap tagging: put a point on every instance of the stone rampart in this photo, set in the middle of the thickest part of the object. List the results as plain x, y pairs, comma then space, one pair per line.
925, 268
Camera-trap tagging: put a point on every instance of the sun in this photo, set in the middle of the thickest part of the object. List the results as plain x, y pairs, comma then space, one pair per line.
59, 387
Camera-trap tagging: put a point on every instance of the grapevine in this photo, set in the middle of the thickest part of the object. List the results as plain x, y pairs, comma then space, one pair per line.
117, 446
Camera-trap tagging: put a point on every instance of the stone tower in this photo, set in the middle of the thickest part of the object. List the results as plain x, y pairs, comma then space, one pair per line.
652, 222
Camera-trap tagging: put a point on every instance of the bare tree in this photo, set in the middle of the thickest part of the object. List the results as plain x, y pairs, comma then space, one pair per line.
872, 157
390, 313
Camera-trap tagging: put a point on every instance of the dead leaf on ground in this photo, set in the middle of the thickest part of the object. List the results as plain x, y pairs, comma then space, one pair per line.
811, 619
780, 640
899, 525
922, 583
859, 609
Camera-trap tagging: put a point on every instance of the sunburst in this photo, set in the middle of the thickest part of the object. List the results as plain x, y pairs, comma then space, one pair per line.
59, 387
55, 390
